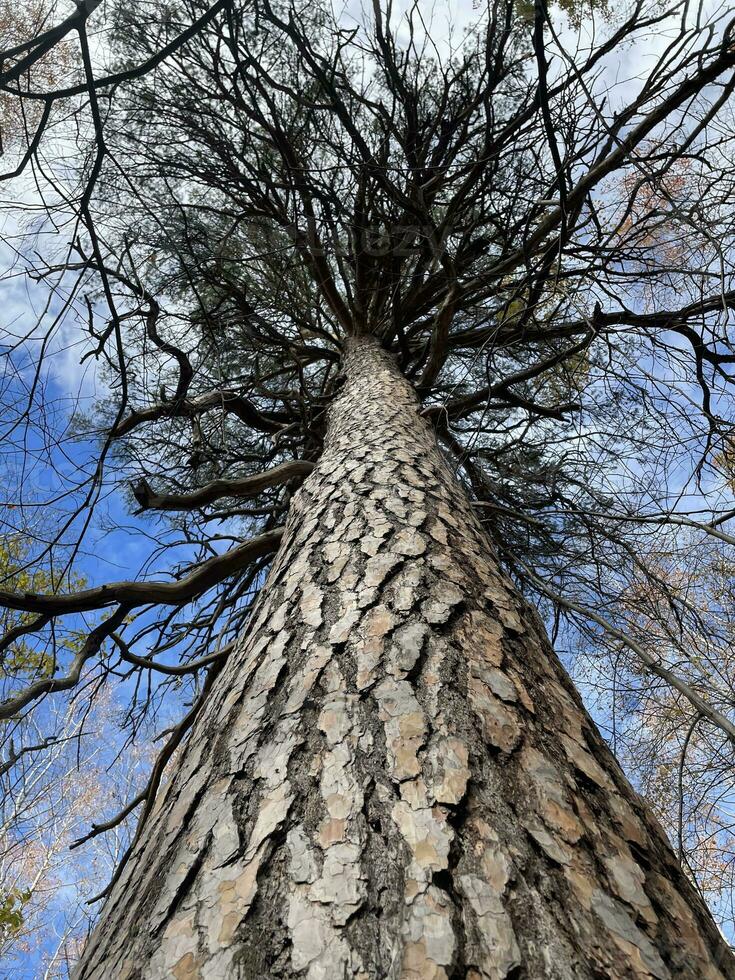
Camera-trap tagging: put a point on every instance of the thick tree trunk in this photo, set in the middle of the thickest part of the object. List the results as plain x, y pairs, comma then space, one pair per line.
394, 776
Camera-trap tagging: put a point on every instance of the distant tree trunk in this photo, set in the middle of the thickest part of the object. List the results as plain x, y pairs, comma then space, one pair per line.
394, 776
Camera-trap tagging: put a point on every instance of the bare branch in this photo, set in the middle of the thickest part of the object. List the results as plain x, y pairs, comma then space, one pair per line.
247, 487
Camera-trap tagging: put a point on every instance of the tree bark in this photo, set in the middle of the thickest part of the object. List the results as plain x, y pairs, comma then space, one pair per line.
394, 776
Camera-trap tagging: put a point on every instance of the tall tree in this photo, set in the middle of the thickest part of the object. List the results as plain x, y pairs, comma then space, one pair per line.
439, 324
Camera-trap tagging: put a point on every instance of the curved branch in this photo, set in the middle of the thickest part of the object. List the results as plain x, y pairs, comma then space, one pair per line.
73, 22
50, 685
22, 629
249, 486
130, 594
228, 401
102, 828
189, 668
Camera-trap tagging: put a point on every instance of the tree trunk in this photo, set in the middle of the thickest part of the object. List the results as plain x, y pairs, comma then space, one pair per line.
394, 776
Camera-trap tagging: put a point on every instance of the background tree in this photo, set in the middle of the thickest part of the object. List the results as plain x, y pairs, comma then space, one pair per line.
55, 770
303, 241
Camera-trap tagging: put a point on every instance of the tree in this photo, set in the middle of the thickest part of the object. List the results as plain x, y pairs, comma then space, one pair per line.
54, 771
432, 328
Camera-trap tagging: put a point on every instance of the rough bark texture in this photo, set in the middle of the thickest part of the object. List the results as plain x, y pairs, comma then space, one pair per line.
394, 776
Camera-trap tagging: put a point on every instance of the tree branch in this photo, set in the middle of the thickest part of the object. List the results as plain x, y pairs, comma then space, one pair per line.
247, 487
131, 594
